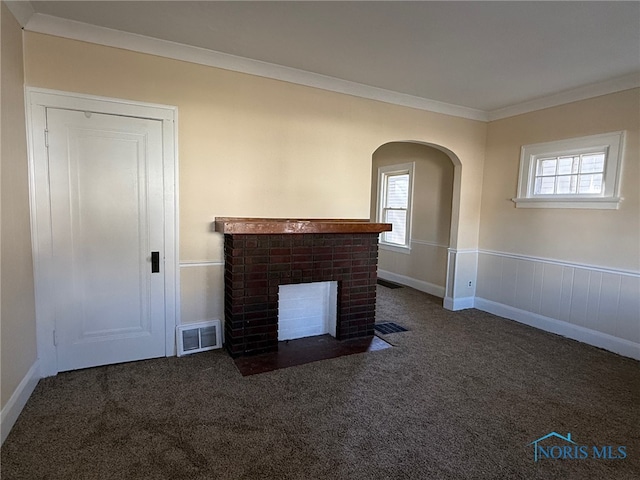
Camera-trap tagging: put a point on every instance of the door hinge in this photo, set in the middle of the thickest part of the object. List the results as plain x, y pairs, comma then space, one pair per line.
55, 338
46, 138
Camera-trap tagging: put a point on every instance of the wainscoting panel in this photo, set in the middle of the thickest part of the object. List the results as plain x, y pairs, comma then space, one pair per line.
597, 301
578, 297
524, 287
628, 325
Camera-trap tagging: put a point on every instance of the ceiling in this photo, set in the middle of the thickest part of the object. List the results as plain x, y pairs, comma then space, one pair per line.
480, 55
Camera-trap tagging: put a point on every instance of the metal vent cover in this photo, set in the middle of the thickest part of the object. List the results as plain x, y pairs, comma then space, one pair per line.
199, 337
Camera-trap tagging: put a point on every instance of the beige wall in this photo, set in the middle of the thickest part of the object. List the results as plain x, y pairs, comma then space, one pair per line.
426, 262
607, 238
260, 147
250, 146
255, 146
570, 271
18, 332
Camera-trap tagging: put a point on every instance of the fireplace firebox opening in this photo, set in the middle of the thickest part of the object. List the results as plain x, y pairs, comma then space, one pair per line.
307, 309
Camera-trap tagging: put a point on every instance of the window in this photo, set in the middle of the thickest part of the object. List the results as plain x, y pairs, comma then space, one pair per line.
570, 175
395, 183
575, 173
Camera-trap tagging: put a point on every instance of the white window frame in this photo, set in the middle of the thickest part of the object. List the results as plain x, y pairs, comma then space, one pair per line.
609, 198
383, 173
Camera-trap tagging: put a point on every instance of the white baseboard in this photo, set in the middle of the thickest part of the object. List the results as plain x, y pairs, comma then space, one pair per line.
18, 400
430, 288
575, 332
455, 304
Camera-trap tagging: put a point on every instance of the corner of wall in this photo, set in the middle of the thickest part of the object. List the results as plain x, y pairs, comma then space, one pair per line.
462, 273
20, 372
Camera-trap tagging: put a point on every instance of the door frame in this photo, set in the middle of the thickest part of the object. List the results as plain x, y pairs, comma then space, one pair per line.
37, 101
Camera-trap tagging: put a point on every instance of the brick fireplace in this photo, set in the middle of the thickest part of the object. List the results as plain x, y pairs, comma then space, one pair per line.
262, 254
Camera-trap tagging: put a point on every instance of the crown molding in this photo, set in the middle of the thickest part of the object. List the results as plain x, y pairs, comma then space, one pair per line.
618, 84
46, 24
60, 27
21, 10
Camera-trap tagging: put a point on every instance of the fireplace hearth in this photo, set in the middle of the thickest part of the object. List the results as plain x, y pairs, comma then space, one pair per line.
263, 254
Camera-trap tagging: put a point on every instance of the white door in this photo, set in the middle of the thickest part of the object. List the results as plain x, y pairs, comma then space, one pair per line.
106, 194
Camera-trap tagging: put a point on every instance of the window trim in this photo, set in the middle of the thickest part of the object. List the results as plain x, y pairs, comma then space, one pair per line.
612, 144
383, 173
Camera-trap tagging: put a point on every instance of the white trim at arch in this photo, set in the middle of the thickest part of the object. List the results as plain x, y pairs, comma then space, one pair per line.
462, 265
457, 175
37, 101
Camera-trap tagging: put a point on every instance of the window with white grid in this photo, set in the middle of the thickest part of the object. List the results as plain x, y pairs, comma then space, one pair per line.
394, 203
575, 173
570, 175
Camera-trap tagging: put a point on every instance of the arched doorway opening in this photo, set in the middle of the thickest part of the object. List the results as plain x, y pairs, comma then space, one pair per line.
423, 262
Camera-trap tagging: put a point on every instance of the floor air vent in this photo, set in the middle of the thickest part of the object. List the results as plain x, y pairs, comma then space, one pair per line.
199, 337
388, 327
388, 284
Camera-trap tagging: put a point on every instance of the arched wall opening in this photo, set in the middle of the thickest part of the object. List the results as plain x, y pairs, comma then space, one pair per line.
434, 215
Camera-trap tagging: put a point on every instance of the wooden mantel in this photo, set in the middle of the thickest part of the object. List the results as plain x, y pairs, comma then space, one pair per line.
277, 226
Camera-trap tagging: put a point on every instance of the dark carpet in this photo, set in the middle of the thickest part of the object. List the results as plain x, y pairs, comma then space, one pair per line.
459, 396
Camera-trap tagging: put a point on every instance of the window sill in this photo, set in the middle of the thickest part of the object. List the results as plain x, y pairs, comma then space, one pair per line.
395, 248
609, 203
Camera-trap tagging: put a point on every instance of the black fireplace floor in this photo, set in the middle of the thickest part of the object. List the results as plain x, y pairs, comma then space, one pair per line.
296, 352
